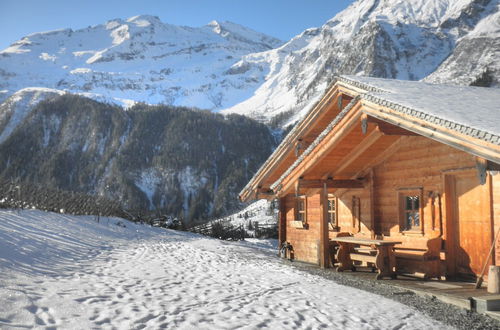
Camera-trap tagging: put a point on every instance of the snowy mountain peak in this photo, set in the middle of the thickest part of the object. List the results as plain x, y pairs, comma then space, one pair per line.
139, 58
406, 40
237, 32
229, 67
144, 20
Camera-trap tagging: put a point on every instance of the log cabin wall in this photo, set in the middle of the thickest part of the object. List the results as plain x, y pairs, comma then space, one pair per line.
305, 241
418, 163
496, 212
360, 225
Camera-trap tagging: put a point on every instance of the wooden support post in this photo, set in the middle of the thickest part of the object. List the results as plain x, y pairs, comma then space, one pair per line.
364, 123
282, 222
324, 256
481, 166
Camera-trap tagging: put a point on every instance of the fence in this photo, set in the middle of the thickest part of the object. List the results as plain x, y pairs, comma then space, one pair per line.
226, 230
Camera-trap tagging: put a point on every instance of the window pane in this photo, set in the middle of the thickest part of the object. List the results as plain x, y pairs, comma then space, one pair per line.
412, 203
408, 204
416, 219
332, 204
408, 220
300, 217
301, 205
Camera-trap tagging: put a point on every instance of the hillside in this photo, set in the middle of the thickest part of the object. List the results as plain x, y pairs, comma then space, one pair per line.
187, 163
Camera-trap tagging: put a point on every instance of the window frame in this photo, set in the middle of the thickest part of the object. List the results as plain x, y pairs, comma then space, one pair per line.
332, 225
403, 193
301, 199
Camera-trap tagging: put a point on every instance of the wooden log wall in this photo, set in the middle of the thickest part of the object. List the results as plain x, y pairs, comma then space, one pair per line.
305, 241
496, 213
418, 163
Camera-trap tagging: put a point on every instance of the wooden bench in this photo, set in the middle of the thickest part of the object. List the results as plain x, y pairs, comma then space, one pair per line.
419, 255
379, 253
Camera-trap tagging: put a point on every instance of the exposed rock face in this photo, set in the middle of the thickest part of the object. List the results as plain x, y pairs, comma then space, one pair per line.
452, 41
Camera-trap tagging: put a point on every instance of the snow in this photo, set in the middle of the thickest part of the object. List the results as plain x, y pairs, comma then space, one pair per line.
411, 42
226, 67
19, 105
475, 107
75, 273
258, 211
140, 59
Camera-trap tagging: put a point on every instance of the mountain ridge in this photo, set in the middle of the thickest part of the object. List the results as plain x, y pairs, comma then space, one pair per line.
226, 67
139, 59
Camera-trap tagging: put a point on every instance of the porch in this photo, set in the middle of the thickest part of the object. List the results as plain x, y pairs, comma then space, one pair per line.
416, 292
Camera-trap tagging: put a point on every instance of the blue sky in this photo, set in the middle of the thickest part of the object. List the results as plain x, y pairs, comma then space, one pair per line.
280, 18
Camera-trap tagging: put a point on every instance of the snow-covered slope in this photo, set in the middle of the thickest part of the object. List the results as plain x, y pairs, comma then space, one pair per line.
17, 107
380, 38
70, 272
139, 59
225, 66
476, 55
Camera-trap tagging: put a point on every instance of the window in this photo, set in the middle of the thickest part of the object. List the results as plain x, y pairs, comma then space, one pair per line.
410, 210
332, 212
301, 209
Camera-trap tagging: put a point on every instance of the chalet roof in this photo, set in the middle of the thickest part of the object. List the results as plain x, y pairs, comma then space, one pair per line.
313, 145
474, 111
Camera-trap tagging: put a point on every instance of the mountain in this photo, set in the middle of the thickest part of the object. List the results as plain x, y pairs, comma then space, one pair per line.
446, 41
184, 162
138, 59
225, 66
192, 163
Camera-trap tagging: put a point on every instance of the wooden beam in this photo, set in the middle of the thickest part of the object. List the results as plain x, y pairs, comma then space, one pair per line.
315, 184
435, 132
481, 166
384, 127
389, 129
323, 229
358, 150
282, 222
333, 138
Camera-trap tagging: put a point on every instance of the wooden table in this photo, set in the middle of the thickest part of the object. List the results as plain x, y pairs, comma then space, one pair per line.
383, 257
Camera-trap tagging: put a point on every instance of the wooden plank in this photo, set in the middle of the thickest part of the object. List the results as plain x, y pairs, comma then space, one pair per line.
334, 138
363, 257
312, 184
365, 144
365, 241
282, 222
385, 127
324, 255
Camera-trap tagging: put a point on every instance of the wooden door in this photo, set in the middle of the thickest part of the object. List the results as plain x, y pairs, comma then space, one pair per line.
470, 225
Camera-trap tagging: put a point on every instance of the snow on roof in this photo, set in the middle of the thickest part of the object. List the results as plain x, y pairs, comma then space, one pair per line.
474, 111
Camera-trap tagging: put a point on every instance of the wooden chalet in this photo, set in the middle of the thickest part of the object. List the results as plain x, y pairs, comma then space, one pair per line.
386, 160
